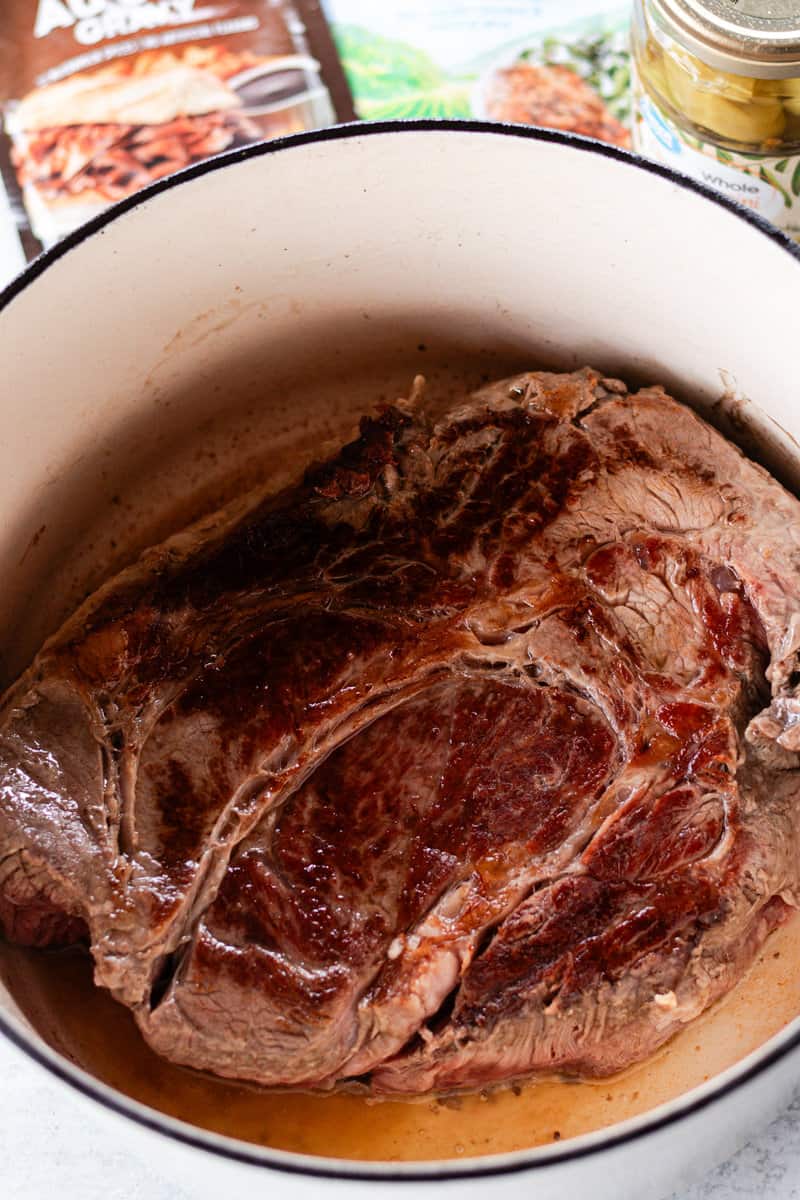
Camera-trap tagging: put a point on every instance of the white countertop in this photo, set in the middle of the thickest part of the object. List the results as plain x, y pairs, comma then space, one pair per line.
46, 1149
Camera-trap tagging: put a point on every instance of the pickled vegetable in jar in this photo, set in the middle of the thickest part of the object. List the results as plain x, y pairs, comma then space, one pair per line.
717, 96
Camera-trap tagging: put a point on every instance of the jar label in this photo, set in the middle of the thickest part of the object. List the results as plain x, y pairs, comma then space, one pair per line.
768, 185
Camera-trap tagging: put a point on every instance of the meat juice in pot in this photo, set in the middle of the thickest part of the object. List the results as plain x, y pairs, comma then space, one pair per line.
85, 1024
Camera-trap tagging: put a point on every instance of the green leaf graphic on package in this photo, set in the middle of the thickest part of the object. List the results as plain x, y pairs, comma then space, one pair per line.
394, 79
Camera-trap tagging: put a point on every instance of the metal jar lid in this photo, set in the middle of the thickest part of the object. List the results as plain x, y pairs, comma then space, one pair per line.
758, 38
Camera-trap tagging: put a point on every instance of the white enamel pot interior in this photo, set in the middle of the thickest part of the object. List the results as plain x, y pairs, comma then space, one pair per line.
250, 274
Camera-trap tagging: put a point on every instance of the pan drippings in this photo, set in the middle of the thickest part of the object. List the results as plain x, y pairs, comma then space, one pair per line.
86, 1025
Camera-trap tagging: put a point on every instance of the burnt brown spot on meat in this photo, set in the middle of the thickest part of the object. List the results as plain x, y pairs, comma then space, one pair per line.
360, 463
184, 814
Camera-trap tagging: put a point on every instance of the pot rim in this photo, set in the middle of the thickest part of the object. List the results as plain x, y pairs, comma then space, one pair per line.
536, 1158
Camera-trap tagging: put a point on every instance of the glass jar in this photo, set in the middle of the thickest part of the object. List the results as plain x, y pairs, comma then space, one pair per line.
717, 96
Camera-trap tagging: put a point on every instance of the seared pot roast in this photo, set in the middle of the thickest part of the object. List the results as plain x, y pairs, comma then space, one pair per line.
472, 755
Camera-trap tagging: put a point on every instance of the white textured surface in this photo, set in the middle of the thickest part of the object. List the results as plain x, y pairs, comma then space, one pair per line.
46, 1148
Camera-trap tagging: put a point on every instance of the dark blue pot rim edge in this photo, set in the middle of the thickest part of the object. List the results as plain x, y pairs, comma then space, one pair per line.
335, 133
536, 1159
